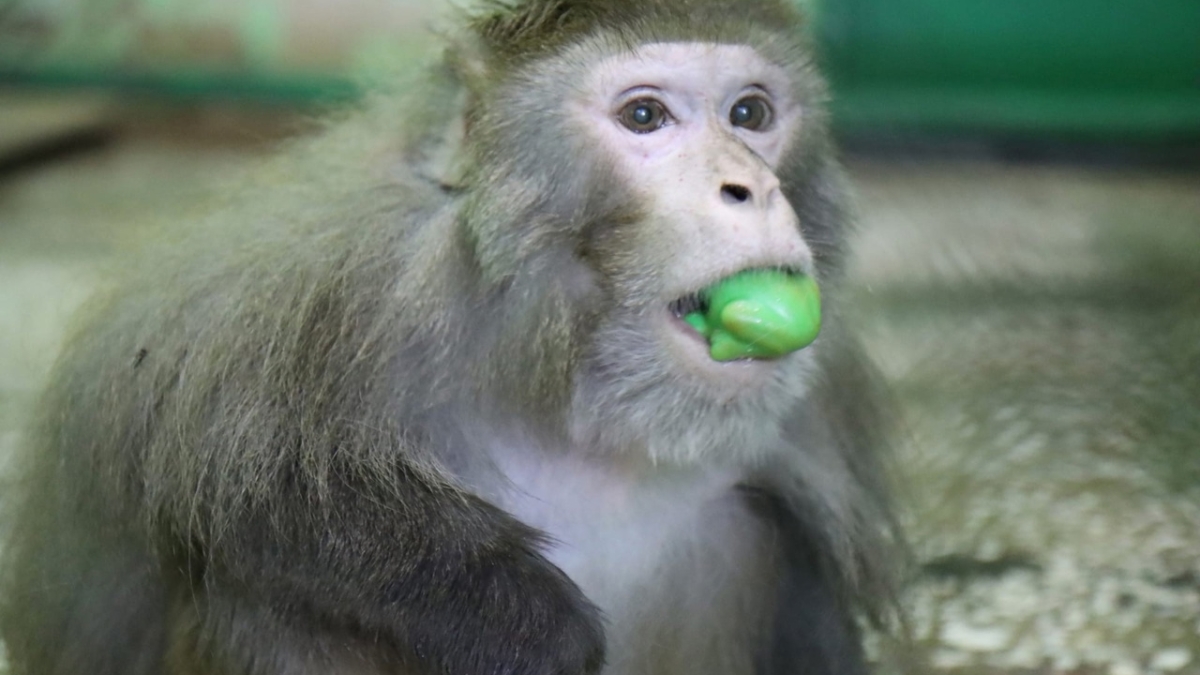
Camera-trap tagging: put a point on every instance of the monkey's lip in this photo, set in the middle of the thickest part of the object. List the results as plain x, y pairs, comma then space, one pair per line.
690, 333
682, 306
695, 345
732, 378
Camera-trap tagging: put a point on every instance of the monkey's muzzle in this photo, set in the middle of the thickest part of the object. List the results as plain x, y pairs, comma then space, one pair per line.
755, 314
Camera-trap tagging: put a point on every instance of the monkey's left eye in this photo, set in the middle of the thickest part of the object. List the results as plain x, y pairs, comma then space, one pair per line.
643, 116
751, 112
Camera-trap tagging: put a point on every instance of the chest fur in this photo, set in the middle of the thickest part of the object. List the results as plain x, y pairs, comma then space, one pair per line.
673, 558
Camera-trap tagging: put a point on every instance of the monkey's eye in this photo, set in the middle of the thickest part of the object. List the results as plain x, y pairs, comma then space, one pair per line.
643, 116
751, 112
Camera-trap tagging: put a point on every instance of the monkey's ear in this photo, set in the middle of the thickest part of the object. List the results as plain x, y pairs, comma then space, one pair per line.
469, 59
462, 74
447, 164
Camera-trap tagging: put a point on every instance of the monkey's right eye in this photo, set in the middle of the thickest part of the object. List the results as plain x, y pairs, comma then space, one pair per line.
643, 116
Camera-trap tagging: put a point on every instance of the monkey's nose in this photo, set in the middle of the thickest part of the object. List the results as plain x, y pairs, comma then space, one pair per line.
735, 194
759, 191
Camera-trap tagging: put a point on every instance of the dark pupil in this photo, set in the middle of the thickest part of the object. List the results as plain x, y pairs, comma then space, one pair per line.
643, 115
742, 114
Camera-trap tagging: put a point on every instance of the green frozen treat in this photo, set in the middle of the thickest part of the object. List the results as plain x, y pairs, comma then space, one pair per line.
699, 322
759, 314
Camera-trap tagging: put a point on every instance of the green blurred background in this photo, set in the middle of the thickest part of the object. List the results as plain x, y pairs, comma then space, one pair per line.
1110, 70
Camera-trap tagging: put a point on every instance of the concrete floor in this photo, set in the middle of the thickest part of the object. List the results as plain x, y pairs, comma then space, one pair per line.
1040, 325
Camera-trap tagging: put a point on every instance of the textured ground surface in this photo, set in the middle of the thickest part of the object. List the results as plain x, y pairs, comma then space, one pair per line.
1040, 324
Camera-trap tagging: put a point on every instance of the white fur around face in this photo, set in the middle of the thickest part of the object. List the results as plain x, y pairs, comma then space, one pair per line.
649, 383
681, 167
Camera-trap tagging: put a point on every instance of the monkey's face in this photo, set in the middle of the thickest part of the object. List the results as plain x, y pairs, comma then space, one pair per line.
697, 133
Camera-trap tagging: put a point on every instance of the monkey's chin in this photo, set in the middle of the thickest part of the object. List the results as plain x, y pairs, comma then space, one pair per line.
693, 350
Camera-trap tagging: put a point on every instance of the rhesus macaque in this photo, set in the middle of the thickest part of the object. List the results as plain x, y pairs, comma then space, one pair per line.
465, 410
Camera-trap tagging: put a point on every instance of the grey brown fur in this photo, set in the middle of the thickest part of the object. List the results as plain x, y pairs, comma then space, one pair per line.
251, 457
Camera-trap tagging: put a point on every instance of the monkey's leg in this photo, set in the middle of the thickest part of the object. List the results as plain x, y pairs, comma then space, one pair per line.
422, 574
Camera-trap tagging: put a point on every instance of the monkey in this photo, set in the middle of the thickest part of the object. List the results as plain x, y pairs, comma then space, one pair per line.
432, 398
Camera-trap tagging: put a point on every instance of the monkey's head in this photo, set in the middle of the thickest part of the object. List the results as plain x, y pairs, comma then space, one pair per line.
644, 151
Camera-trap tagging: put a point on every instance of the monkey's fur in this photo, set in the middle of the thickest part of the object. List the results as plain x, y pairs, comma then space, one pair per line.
270, 453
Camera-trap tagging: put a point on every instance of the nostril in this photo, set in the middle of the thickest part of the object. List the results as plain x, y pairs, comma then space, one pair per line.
735, 194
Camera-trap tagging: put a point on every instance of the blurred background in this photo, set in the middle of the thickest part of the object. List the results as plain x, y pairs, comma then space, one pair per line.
1027, 269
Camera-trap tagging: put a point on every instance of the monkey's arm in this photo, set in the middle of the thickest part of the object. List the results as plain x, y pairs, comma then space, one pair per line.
261, 434
434, 574
813, 630
828, 503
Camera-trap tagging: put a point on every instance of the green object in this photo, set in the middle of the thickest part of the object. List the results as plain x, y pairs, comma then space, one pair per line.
1112, 69
758, 314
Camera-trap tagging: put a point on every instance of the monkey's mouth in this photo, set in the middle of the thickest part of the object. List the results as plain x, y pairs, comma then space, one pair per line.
753, 314
693, 344
685, 306
692, 302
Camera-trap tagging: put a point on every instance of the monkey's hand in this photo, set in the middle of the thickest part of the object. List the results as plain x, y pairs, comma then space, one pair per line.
423, 571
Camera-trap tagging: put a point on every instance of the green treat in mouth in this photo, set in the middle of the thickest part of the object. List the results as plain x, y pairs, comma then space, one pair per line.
758, 314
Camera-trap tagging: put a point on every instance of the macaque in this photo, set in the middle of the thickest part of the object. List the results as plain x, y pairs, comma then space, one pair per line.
537, 369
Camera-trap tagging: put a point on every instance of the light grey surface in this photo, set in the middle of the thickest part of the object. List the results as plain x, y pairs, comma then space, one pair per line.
1041, 328
1040, 325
